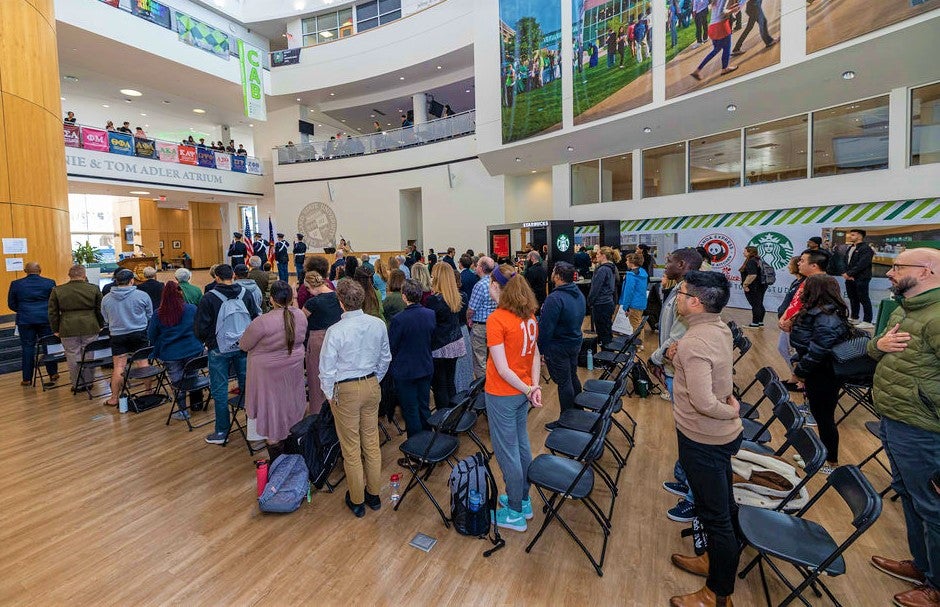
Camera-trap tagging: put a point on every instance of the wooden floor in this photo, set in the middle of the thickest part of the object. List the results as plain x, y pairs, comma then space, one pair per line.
108, 509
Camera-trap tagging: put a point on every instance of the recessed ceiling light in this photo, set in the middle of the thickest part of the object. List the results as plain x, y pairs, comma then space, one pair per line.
298, 99
467, 91
320, 125
166, 101
62, 98
647, 130
147, 125
138, 192
371, 115
131, 93
731, 107
343, 121
401, 77
70, 78
518, 159
389, 123
251, 125
533, 171
570, 148
439, 67
848, 75
143, 114
128, 101
332, 94
199, 110
105, 105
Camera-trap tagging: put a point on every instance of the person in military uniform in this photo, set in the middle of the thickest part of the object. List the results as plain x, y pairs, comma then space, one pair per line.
259, 247
300, 251
282, 257
238, 250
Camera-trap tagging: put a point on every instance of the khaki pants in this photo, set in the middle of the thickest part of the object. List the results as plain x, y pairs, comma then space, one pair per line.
635, 316
478, 343
73, 347
356, 410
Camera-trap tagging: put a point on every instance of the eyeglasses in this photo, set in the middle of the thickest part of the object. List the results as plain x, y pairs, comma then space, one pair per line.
686, 293
896, 266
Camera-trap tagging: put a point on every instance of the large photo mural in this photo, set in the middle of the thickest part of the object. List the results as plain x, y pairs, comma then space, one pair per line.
830, 22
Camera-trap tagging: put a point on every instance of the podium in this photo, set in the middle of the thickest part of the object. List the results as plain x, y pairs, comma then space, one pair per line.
137, 265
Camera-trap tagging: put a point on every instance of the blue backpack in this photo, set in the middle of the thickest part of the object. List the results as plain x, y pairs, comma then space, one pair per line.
288, 485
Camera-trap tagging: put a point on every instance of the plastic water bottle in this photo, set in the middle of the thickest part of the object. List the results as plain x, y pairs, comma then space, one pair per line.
394, 484
475, 500
590, 360
122, 404
261, 475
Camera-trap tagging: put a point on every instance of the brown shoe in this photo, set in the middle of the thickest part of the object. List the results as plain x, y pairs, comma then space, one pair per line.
903, 570
696, 565
922, 596
703, 598
26, 382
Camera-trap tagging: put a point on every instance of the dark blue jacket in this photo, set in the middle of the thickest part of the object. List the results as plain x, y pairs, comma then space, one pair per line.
409, 338
561, 319
177, 342
29, 298
468, 278
447, 327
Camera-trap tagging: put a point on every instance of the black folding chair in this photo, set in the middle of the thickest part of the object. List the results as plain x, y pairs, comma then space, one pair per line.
430, 449
874, 428
195, 380
736, 332
859, 390
469, 418
743, 346
805, 544
784, 409
595, 401
95, 355
584, 420
570, 480
144, 399
764, 376
49, 350
614, 360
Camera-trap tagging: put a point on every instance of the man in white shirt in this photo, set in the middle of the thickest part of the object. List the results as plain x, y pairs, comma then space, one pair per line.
354, 359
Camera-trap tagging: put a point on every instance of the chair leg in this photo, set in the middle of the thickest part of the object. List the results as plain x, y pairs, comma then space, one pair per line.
479, 443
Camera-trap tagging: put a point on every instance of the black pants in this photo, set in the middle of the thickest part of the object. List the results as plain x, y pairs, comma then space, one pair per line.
29, 335
442, 382
708, 472
755, 16
299, 268
562, 363
603, 316
857, 290
755, 297
822, 392
701, 26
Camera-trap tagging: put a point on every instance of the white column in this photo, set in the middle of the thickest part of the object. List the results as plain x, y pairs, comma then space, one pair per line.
419, 102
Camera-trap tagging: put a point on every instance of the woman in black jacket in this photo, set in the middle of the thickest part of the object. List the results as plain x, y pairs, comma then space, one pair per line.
447, 343
822, 323
603, 294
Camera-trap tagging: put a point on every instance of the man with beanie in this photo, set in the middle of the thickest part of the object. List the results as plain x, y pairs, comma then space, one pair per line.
560, 335
127, 310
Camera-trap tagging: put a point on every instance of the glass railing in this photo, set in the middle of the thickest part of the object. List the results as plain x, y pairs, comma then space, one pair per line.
124, 144
449, 127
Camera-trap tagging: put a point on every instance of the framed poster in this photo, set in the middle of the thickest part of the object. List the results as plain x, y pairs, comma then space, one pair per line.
830, 23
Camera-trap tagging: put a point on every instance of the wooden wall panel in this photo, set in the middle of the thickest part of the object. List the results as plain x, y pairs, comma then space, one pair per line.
206, 247
4, 174
47, 9
36, 224
206, 215
175, 224
19, 50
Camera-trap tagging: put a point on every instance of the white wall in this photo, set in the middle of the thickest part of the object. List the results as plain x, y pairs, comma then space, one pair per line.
528, 197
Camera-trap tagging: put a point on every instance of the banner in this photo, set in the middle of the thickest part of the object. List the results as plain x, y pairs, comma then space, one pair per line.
196, 33
152, 11
187, 154
252, 165
223, 161
167, 152
94, 139
120, 143
830, 23
286, 57
145, 148
249, 58
73, 135
238, 164
205, 157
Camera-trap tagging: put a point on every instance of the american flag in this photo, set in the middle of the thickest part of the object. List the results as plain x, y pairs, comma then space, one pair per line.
246, 236
271, 241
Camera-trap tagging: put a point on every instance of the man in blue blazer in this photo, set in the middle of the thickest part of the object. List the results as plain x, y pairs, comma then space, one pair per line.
409, 338
29, 298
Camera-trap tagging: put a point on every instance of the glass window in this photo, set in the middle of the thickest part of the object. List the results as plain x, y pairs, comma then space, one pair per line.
367, 24
367, 10
617, 178
327, 21
309, 25
585, 182
715, 161
851, 138
925, 125
310, 39
387, 6
389, 17
664, 170
776, 151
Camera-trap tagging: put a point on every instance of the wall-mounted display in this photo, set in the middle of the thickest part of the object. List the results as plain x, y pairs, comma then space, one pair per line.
530, 67
829, 23
718, 40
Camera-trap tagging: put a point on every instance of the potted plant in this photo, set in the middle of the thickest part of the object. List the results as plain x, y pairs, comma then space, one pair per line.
88, 256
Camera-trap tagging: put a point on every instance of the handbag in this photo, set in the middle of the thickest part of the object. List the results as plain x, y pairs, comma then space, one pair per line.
850, 356
719, 30
622, 323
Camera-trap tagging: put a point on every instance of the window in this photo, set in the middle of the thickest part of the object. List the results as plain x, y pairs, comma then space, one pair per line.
776, 151
925, 125
664, 170
376, 13
328, 27
715, 161
617, 178
851, 138
585, 182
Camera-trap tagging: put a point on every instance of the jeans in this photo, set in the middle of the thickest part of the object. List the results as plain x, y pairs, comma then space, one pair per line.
603, 317
299, 269
708, 472
174, 370
857, 290
219, 365
414, 396
783, 346
822, 392
283, 271
755, 297
722, 46
915, 456
507, 416
755, 14
562, 363
442, 382
29, 335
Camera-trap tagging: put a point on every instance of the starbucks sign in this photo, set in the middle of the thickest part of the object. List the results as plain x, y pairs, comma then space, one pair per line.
563, 243
774, 248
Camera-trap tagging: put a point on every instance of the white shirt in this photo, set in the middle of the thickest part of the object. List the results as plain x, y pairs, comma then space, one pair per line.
354, 347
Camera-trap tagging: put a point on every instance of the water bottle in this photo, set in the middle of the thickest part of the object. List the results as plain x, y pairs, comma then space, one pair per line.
261, 475
590, 360
475, 500
122, 404
394, 484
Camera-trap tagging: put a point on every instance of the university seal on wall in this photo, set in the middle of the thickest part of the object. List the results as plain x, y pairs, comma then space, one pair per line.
317, 223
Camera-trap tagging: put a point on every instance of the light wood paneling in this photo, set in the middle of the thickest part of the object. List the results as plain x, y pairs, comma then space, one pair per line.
36, 224
36, 171
4, 171
175, 224
206, 215
47, 9
19, 45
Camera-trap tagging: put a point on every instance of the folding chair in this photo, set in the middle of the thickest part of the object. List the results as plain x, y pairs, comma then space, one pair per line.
859, 390
583, 420
95, 355
784, 410
48, 350
874, 428
742, 345
764, 376
805, 544
469, 417
195, 379
617, 343
595, 401
612, 360
142, 400
812, 452
430, 449
736, 332
570, 480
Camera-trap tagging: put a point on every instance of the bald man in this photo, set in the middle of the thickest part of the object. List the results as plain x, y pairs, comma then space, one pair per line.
29, 298
907, 396
479, 308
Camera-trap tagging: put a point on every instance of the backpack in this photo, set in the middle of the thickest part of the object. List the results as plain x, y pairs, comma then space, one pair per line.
315, 439
471, 473
232, 321
288, 485
768, 275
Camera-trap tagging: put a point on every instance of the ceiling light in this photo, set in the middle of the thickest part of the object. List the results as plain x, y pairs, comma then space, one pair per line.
70, 78
848, 75
326, 34
62, 98
467, 91
343, 121
138, 192
518, 159
332, 94
320, 125
389, 123
371, 115
401, 77
439, 67
533, 171
105, 105
298, 99
570, 148
199, 110
128, 101
647, 130
731, 107
147, 125
251, 125
166, 101
142, 114
131, 93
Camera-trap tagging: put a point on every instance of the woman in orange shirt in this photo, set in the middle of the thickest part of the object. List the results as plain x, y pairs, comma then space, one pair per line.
513, 370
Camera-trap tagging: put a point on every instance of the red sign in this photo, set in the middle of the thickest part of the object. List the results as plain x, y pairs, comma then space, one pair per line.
95, 139
501, 245
187, 154
73, 136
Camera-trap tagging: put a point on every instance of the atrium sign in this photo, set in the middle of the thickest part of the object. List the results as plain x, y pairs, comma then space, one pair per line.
249, 58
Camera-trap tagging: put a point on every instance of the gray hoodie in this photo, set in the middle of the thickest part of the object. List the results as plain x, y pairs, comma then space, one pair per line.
253, 289
126, 309
671, 329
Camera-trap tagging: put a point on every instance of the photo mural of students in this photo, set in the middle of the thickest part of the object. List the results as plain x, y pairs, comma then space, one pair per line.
830, 23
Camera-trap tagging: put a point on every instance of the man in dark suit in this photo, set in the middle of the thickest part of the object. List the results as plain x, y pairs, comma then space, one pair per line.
300, 252
409, 338
152, 287
29, 298
537, 277
857, 277
282, 257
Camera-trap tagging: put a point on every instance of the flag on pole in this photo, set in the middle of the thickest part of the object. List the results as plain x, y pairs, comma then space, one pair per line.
271, 241
246, 237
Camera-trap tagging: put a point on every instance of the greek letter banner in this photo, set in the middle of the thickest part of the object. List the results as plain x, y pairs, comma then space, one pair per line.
249, 58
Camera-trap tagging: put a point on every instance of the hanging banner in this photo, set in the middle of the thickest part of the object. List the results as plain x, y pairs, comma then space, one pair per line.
249, 58
198, 34
95, 139
252, 165
145, 148
120, 143
167, 152
152, 11
73, 136
205, 157
223, 161
187, 154
285, 57
238, 164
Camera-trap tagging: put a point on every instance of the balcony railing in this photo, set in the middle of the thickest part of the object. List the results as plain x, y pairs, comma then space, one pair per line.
450, 127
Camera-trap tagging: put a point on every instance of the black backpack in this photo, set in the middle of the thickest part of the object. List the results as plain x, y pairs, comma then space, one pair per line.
471, 473
314, 437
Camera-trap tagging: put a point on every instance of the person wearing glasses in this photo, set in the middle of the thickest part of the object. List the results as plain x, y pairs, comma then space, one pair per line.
906, 392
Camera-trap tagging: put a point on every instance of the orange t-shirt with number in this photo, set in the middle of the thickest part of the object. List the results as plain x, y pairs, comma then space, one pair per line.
518, 337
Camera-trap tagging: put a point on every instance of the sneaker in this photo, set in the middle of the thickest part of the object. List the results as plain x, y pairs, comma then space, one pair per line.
181, 415
510, 519
217, 438
864, 325
676, 488
665, 395
526, 505
827, 469
682, 512
754, 325
808, 419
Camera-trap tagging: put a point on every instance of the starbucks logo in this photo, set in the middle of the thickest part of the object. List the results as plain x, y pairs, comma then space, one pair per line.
317, 223
563, 243
720, 247
774, 248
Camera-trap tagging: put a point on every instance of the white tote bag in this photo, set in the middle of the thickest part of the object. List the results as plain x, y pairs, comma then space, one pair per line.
622, 323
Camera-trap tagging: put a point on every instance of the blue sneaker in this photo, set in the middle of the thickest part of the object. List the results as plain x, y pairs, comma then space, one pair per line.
507, 518
526, 505
808, 419
676, 488
683, 512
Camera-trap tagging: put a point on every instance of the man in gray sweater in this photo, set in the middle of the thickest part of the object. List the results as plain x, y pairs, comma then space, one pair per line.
709, 432
126, 310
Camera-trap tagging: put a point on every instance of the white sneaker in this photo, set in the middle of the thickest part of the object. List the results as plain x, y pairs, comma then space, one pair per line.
864, 325
665, 395
853, 321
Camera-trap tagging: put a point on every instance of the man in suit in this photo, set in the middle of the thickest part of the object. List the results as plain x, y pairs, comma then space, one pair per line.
29, 298
152, 287
237, 250
300, 252
537, 277
449, 257
282, 257
409, 337
858, 276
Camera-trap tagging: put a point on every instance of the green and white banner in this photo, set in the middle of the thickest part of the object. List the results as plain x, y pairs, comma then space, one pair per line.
249, 58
